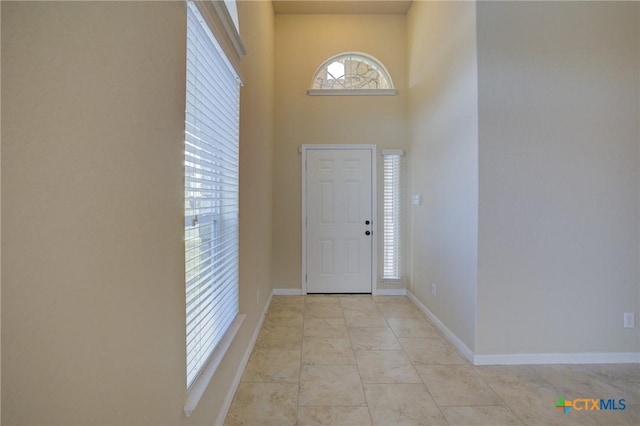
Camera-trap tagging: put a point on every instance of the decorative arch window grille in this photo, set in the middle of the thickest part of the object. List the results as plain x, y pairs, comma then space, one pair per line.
352, 73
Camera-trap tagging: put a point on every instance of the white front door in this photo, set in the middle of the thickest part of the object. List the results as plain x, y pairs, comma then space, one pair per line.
339, 222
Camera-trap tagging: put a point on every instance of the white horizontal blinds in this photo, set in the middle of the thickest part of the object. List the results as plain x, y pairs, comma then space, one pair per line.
211, 194
391, 214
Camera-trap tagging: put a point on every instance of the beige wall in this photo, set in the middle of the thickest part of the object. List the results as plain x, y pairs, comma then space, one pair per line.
256, 153
93, 328
558, 211
443, 135
302, 44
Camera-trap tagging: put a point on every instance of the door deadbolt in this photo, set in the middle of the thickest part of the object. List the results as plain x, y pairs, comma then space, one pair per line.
366, 222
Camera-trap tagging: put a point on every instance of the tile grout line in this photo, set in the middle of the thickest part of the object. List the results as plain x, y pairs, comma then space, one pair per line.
401, 349
366, 401
500, 406
505, 402
416, 371
304, 311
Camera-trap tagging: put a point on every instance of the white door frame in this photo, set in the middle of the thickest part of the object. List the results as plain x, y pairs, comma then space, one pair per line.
374, 207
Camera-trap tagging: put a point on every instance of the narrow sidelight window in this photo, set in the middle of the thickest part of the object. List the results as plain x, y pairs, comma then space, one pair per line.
391, 213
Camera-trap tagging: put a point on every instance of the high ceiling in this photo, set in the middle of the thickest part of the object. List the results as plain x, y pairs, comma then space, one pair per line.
383, 7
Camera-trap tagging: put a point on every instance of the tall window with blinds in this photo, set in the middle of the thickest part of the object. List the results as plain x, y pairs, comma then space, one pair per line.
211, 194
391, 213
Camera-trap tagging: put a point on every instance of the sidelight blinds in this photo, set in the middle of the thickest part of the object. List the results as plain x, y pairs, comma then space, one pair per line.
211, 194
391, 214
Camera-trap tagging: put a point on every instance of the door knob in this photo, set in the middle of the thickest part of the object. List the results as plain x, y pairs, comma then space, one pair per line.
367, 232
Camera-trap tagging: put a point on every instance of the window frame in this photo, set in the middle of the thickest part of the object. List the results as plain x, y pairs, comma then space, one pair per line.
218, 34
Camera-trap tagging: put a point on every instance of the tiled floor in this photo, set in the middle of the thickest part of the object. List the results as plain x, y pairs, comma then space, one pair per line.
362, 360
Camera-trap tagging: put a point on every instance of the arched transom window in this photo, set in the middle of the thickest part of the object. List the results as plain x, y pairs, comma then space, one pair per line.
352, 73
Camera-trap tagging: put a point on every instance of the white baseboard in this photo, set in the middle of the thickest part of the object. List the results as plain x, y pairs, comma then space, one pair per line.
390, 292
287, 292
459, 344
377, 292
524, 359
559, 358
243, 364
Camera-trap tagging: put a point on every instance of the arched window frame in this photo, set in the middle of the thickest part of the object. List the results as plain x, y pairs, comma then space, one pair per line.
382, 70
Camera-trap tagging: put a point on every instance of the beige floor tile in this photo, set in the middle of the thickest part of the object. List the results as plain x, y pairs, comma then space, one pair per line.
273, 366
412, 327
286, 306
333, 416
457, 385
391, 299
296, 306
623, 376
327, 351
358, 303
505, 374
278, 337
386, 367
534, 404
285, 315
399, 310
264, 404
374, 339
287, 301
284, 319
480, 416
331, 385
628, 417
584, 380
364, 318
404, 348
331, 300
402, 404
325, 327
430, 350
323, 310
627, 372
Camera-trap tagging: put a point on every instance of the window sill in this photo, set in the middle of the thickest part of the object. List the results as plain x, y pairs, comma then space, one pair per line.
352, 92
198, 387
